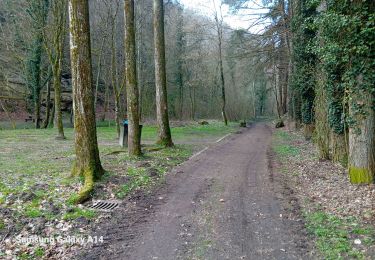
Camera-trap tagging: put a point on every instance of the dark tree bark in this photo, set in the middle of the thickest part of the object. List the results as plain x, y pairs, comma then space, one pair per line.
134, 142
52, 117
48, 104
180, 51
87, 163
219, 28
114, 79
164, 132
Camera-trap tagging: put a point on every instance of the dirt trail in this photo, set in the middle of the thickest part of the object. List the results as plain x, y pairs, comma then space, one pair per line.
225, 203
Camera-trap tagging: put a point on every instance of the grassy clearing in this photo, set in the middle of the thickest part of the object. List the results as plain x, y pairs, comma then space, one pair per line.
153, 168
335, 237
35, 168
35, 182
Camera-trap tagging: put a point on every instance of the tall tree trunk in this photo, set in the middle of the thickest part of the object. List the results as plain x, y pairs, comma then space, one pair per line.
322, 135
87, 162
38, 12
37, 110
139, 70
180, 52
99, 70
48, 104
52, 117
114, 79
57, 87
106, 102
362, 142
139, 44
222, 80
164, 132
134, 141
192, 102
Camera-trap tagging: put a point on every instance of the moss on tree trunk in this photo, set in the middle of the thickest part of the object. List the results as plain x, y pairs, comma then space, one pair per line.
134, 141
362, 140
87, 163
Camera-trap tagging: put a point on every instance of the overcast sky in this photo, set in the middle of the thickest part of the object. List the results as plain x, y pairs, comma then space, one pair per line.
245, 19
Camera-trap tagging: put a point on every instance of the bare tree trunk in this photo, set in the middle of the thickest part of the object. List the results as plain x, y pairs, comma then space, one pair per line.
37, 111
164, 132
192, 102
114, 80
106, 102
87, 162
139, 44
275, 91
99, 71
52, 117
219, 28
58, 113
254, 101
140, 71
134, 141
362, 143
55, 55
180, 52
48, 104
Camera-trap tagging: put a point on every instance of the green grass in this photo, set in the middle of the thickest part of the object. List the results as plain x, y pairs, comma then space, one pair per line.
281, 144
39, 252
78, 212
139, 178
2, 224
335, 236
162, 160
286, 150
32, 161
33, 213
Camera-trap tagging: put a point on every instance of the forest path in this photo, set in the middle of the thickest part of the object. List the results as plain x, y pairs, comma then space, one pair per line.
224, 203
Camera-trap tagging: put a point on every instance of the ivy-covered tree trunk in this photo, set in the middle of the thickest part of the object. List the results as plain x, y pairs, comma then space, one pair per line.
87, 162
164, 132
134, 141
38, 11
33, 68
